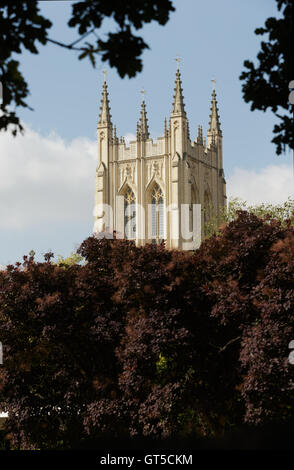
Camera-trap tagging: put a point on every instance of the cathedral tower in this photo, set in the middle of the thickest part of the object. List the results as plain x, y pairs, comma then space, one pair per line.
165, 190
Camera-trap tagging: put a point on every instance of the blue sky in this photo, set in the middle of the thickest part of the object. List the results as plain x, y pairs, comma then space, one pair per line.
47, 181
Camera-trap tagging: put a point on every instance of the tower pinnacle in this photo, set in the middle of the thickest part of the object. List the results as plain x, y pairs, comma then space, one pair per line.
214, 122
105, 116
143, 126
178, 103
165, 130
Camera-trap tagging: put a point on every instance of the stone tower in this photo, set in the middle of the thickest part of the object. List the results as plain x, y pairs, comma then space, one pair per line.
163, 190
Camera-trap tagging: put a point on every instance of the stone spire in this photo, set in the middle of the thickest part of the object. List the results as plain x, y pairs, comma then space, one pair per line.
165, 131
178, 103
105, 116
188, 130
143, 126
138, 132
214, 122
115, 138
200, 135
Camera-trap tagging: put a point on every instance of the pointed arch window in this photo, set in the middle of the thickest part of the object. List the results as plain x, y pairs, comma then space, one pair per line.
157, 215
130, 214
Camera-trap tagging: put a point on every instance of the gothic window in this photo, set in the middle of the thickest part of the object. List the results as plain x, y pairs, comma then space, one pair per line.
130, 215
157, 215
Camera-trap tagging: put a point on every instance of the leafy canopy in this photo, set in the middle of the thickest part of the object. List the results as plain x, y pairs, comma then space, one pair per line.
265, 85
143, 341
23, 27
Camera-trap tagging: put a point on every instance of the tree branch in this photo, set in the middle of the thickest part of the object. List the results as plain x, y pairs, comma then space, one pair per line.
228, 344
71, 46
221, 349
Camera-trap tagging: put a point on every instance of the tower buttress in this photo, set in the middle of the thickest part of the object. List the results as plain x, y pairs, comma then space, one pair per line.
178, 120
178, 139
105, 129
214, 140
104, 194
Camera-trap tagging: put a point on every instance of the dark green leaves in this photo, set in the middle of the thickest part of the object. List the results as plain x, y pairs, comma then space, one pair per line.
265, 85
22, 26
91, 13
123, 50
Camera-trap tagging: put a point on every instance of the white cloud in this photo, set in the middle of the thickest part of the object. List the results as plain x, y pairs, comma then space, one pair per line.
129, 137
48, 180
45, 179
272, 184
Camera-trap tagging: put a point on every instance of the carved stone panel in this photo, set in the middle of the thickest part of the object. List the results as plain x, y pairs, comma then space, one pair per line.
154, 169
127, 171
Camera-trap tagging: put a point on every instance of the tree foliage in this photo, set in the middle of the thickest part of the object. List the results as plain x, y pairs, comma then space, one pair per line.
23, 27
144, 341
283, 212
71, 260
265, 85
